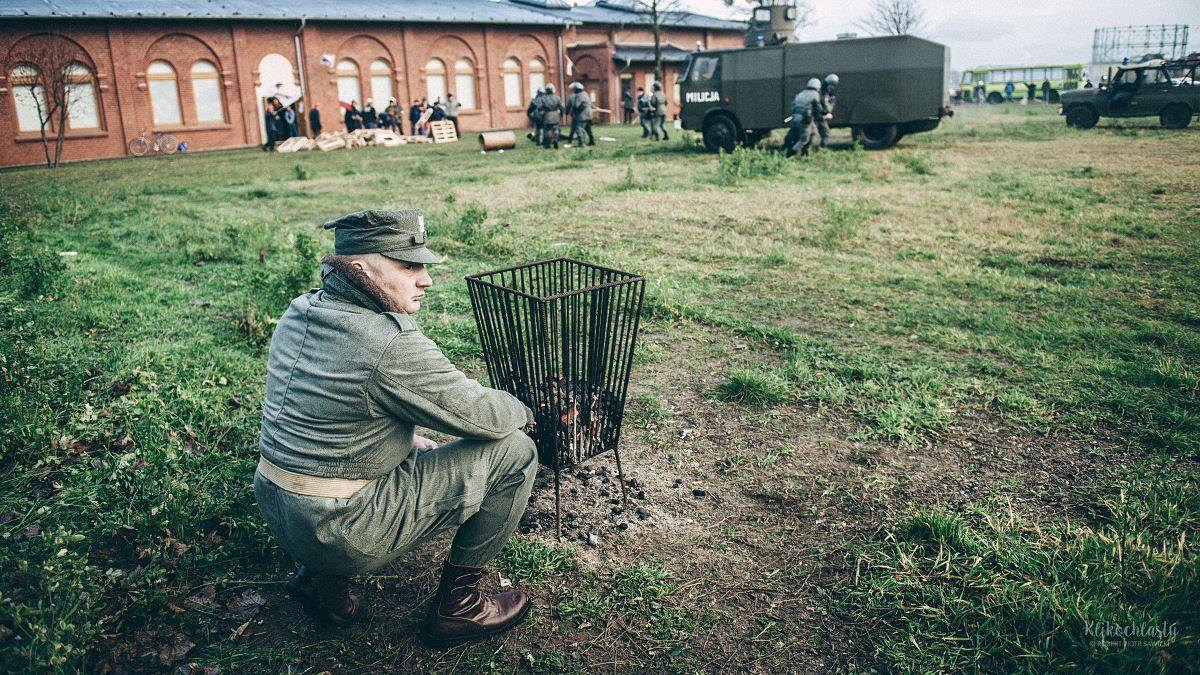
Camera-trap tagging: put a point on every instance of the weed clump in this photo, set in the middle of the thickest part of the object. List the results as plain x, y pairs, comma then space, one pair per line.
915, 162
755, 388
302, 172
748, 164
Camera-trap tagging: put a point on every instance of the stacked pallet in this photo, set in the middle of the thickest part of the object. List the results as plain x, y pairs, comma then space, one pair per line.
296, 144
443, 132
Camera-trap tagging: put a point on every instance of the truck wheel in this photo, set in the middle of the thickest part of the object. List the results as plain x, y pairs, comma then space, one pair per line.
1175, 116
719, 134
875, 136
995, 97
1082, 117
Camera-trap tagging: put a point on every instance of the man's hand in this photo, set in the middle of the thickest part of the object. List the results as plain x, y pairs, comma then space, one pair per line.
422, 443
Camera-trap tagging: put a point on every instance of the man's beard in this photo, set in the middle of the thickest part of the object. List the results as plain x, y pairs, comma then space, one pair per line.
364, 283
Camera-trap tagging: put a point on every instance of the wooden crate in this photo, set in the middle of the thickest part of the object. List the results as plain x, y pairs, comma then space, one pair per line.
442, 132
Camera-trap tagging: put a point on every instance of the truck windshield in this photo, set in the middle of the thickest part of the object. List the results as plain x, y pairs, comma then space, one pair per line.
704, 69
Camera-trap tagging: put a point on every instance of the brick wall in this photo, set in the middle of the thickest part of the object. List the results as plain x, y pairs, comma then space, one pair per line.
119, 52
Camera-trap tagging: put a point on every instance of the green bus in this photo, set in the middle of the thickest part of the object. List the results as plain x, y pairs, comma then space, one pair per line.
1064, 77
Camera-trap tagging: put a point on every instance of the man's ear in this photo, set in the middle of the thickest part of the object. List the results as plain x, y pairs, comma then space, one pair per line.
361, 265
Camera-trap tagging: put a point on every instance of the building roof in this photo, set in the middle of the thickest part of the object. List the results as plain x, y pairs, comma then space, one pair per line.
416, 11
628, 12
645, 54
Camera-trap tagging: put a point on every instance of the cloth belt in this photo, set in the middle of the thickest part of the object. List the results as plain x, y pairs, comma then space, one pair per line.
313, 486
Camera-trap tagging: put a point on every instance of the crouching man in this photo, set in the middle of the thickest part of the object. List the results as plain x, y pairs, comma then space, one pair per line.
344, 484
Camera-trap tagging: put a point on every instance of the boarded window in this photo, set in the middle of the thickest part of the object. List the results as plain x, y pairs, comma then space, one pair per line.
164, 94
28, 97
435, 80
512, 83
464, 83
537, 76
206, 90
349, 89
381, 82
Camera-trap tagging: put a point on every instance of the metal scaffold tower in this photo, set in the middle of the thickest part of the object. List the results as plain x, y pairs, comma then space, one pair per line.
1111, 45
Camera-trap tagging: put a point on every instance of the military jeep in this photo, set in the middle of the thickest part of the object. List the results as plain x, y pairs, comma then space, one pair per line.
1168, 89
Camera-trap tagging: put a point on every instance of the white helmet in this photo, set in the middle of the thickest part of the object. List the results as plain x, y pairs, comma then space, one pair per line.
831, 79
577, 86
813, 83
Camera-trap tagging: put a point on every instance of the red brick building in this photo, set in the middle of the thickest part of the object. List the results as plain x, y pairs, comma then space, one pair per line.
202, 71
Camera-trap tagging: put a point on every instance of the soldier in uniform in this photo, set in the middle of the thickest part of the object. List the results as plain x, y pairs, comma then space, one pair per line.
828, 98
343, 482
660, 112
579, 107
533, 112
552, 107
806, 108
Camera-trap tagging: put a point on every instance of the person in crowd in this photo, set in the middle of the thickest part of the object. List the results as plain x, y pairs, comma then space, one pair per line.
314, 120
551, 107
1087, 84
645, 106
627, 107
414, 116
352, 117
979, 94
1031, 91
370, 117
579, 107
270, 126
439, 111
534, 113
659, 98
828, 99
289, 121
1046, 91
393, 115
1009, 88
806, 109
452, 105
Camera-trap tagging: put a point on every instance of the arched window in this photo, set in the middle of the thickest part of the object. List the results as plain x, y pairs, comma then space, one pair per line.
82, 112
206, 90
512, 83
28, 97
464, 83
164, 94
435, 80
349, 89
381, 82
537, 76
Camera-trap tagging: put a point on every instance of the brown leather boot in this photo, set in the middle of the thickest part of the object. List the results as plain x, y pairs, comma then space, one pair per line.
327, 599
460, 612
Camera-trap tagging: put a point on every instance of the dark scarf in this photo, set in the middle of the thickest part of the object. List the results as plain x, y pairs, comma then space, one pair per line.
337, 283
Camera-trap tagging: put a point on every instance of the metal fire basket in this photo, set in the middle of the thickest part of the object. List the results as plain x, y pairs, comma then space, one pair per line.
559, 335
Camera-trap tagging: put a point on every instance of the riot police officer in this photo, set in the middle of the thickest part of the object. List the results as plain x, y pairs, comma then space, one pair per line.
806, 109
828, 98
579, 107
551, 107
534, 113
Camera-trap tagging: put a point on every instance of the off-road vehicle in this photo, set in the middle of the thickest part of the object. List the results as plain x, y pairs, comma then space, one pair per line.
1168, 89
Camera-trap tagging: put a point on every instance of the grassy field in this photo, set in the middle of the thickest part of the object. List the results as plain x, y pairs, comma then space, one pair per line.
929, 409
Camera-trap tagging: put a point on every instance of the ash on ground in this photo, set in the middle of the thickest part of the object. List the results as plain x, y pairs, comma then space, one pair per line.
592, 510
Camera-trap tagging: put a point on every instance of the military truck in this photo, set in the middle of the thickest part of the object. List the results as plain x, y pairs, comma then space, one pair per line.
1168, 89
890, 86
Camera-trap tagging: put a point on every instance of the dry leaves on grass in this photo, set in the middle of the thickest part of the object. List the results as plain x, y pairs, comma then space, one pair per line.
245, 605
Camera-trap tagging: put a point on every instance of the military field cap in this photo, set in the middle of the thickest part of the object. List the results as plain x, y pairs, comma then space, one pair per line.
399, 235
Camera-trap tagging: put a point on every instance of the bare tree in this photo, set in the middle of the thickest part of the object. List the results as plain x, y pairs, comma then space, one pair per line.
44, 67
658, 8
894, 17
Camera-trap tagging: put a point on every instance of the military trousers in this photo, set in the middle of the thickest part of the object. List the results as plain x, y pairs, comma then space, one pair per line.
645, 120
800, 136
658, 122
578, 129
480, 487
823, 131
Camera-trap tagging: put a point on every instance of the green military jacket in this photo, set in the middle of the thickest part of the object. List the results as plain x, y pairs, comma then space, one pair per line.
579, 106
346, 385
551, 107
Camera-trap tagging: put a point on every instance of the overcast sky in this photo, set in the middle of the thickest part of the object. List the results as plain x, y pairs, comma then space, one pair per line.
993, 32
